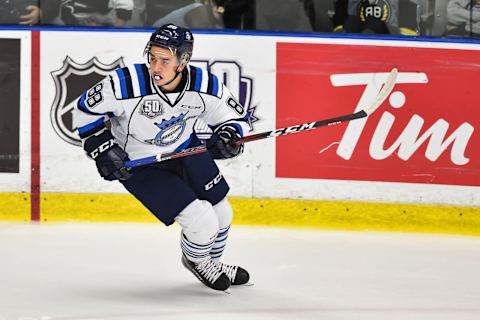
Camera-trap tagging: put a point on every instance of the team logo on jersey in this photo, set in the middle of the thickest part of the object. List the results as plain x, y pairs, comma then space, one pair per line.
377, 9
71, 80
170, 130
151, 108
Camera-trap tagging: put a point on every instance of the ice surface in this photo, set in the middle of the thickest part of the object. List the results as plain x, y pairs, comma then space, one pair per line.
132, 271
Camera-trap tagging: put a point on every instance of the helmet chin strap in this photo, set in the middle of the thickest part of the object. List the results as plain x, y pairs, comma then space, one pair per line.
173, 79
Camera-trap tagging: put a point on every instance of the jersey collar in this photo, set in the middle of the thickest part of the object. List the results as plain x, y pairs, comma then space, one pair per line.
185, 83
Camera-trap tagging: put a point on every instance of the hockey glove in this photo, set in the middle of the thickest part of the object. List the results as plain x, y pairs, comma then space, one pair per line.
109, 157
222, 143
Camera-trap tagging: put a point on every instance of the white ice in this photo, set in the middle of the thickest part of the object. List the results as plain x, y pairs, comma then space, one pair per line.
115, 271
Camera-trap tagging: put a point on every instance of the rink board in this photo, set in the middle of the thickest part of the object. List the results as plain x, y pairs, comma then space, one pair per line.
416, 154
311, 214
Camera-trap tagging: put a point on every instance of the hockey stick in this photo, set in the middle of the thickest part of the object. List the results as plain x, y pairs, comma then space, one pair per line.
382, 95
165, 156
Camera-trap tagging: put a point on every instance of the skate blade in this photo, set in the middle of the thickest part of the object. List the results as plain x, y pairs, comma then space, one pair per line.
248, 284
228, 291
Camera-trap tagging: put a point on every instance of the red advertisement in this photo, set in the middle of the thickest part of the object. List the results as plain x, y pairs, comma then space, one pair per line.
425, 131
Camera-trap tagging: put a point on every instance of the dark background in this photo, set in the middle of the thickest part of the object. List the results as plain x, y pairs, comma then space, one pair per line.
9, 104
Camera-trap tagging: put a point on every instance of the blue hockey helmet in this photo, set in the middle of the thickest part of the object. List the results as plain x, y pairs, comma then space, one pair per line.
179, 40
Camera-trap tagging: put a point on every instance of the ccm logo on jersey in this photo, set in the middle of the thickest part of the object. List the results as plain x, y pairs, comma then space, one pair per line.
102, 148
215, 180
191, 107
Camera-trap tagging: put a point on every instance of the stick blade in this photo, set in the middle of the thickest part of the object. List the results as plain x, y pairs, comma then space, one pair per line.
384, 93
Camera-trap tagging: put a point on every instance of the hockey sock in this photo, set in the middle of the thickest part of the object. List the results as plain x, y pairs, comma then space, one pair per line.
224, 213
199, 230
219, 244
195, 252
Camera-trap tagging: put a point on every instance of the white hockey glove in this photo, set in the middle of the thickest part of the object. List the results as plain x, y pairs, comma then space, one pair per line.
109, 157
222, 143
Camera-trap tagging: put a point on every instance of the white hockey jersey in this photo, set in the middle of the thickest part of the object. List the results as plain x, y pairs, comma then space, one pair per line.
145, 121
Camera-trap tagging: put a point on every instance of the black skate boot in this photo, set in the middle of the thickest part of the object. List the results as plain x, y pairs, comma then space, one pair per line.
236, 274
208, 273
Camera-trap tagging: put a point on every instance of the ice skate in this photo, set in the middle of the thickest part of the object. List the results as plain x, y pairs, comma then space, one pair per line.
237, 275
208, 273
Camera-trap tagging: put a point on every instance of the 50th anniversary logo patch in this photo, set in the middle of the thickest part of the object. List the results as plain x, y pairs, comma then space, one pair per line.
151, 108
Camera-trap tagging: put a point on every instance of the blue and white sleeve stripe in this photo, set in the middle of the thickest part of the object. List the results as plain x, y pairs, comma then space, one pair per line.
206, 82
91, 128
132, 81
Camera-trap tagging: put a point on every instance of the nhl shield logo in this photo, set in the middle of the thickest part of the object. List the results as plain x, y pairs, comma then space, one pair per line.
71, 80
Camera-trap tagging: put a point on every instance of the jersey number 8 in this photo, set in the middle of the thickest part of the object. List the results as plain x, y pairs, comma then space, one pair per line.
95, 96
232, 103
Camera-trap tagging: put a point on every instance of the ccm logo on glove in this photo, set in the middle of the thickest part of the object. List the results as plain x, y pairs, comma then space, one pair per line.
102, 148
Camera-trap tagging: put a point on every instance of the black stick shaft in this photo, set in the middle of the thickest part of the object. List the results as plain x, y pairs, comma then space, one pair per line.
302, 127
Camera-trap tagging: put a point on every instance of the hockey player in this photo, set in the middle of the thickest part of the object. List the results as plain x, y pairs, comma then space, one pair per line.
152, 108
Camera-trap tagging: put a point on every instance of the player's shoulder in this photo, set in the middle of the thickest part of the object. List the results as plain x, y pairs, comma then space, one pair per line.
131, 81
203, 81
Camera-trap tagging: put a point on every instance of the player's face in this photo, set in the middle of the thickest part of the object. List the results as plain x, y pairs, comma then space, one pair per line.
163, 65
